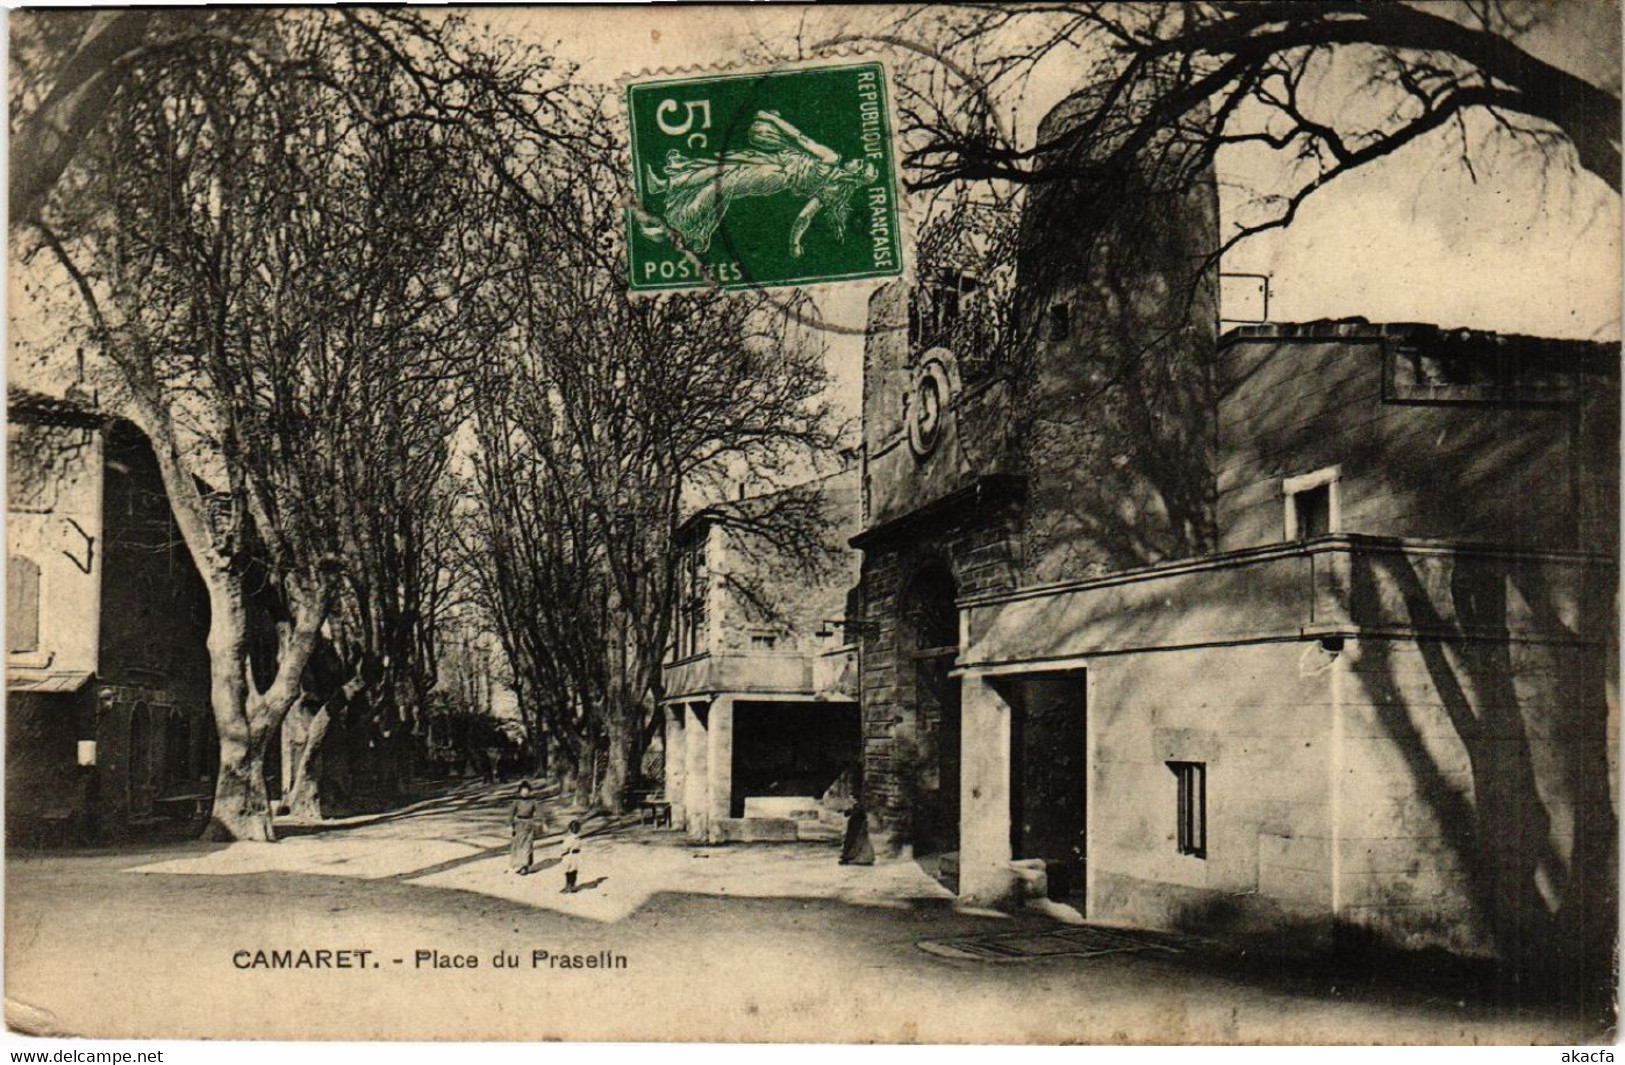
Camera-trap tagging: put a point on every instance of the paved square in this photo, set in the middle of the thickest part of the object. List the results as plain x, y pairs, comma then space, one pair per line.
778, 942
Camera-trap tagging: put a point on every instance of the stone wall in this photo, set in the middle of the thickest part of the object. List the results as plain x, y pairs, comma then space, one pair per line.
120, 600
1259, 718
1088, 448
154, 609
1114, 403
54, 520
149, 744
42, 781
768, 592
976, 435
1404, 744
1475, 804
1452, 463
978, 543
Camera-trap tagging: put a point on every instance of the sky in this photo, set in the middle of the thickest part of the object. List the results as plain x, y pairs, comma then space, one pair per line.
1414, 238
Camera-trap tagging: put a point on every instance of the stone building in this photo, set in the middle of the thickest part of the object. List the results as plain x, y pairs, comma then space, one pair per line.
1308, 630
761, 729
107, 708
1383, 704
989, 467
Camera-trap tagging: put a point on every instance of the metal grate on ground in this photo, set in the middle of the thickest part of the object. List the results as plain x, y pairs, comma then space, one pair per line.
1073, 942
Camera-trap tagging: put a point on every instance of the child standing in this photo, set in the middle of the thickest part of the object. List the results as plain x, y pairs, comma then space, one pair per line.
570, 852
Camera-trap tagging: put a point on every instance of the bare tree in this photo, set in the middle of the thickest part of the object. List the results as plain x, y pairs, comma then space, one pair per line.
254, 225
1264, 76
535, 572
610, 416
393, 495
71, 68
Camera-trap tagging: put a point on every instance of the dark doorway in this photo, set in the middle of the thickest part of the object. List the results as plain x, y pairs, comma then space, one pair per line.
937, 821
1049, 778
931, 621
208, 752
140, 783
783, 750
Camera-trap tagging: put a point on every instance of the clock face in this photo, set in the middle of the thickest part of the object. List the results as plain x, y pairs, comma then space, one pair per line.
929, 402
927, 408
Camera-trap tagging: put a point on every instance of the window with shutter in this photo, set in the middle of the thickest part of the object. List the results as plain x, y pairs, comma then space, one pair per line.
22, 604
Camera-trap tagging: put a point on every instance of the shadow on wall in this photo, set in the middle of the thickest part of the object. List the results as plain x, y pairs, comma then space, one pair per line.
1475, 472
1118, 416
1530, 824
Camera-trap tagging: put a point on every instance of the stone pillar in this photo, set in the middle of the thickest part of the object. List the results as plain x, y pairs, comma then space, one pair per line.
720, 729
676, 762
696, 808
985, 876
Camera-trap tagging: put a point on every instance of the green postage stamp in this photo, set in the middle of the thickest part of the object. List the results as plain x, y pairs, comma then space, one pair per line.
763, 180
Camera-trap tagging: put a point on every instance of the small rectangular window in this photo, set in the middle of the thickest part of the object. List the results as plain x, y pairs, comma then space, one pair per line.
1313, 504
1060, 321
1190, 779
763, 643
693, 588
1314, 507
937, 307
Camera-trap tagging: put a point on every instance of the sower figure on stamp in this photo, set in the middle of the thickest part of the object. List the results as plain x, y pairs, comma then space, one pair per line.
781, 159
570, 855
523, 821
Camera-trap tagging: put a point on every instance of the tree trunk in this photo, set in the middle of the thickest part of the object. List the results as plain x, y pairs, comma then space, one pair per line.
618, 772
242, 807
306, 731
247, 720
244, 718
578, 783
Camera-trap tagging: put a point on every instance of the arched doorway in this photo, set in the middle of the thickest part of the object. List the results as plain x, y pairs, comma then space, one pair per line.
931, 630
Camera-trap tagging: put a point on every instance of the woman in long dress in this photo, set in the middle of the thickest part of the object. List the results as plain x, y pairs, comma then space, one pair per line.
698, 192
522, 850
856, 848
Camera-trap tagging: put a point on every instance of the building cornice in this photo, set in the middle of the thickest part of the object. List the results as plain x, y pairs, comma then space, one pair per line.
1336, 543
984, 490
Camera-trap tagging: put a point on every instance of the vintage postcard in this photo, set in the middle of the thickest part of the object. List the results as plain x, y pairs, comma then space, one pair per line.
1039, 524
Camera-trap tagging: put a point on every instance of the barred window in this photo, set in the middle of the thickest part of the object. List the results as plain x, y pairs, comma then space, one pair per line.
1190, 779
